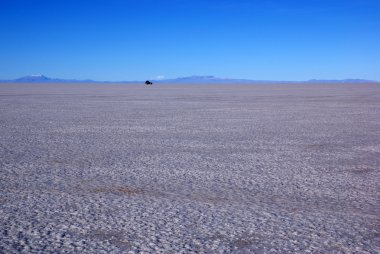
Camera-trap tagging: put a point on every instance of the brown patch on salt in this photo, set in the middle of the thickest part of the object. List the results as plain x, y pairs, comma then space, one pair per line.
118, 190
362, 169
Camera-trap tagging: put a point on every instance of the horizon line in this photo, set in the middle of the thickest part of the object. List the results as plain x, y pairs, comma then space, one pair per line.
194, 77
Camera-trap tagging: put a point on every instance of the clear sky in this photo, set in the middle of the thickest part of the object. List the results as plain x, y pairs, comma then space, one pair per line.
144, 39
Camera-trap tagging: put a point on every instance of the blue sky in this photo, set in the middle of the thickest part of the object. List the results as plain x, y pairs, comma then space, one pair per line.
145, 39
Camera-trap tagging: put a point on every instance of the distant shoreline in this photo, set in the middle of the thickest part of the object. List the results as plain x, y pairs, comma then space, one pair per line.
186, 80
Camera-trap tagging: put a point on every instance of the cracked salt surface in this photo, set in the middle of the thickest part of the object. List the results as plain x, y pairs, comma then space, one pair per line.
189, 169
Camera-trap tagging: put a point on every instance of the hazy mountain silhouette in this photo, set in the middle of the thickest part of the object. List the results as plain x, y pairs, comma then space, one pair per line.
33, 79
44, 79
182, 80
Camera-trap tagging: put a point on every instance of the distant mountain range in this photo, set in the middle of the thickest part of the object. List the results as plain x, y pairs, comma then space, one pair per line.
44, 79
183, 80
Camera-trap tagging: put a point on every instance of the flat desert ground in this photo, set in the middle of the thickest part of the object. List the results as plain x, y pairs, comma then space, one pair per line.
102, 168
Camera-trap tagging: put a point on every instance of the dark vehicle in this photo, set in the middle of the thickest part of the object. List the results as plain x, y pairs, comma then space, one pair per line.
148, 83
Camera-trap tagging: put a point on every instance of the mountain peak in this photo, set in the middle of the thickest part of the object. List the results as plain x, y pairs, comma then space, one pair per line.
198, 77
33, 78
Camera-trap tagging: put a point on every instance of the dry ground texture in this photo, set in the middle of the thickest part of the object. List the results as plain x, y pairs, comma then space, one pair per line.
91, 168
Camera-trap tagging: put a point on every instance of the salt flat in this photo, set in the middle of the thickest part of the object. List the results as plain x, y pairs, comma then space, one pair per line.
91, 168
